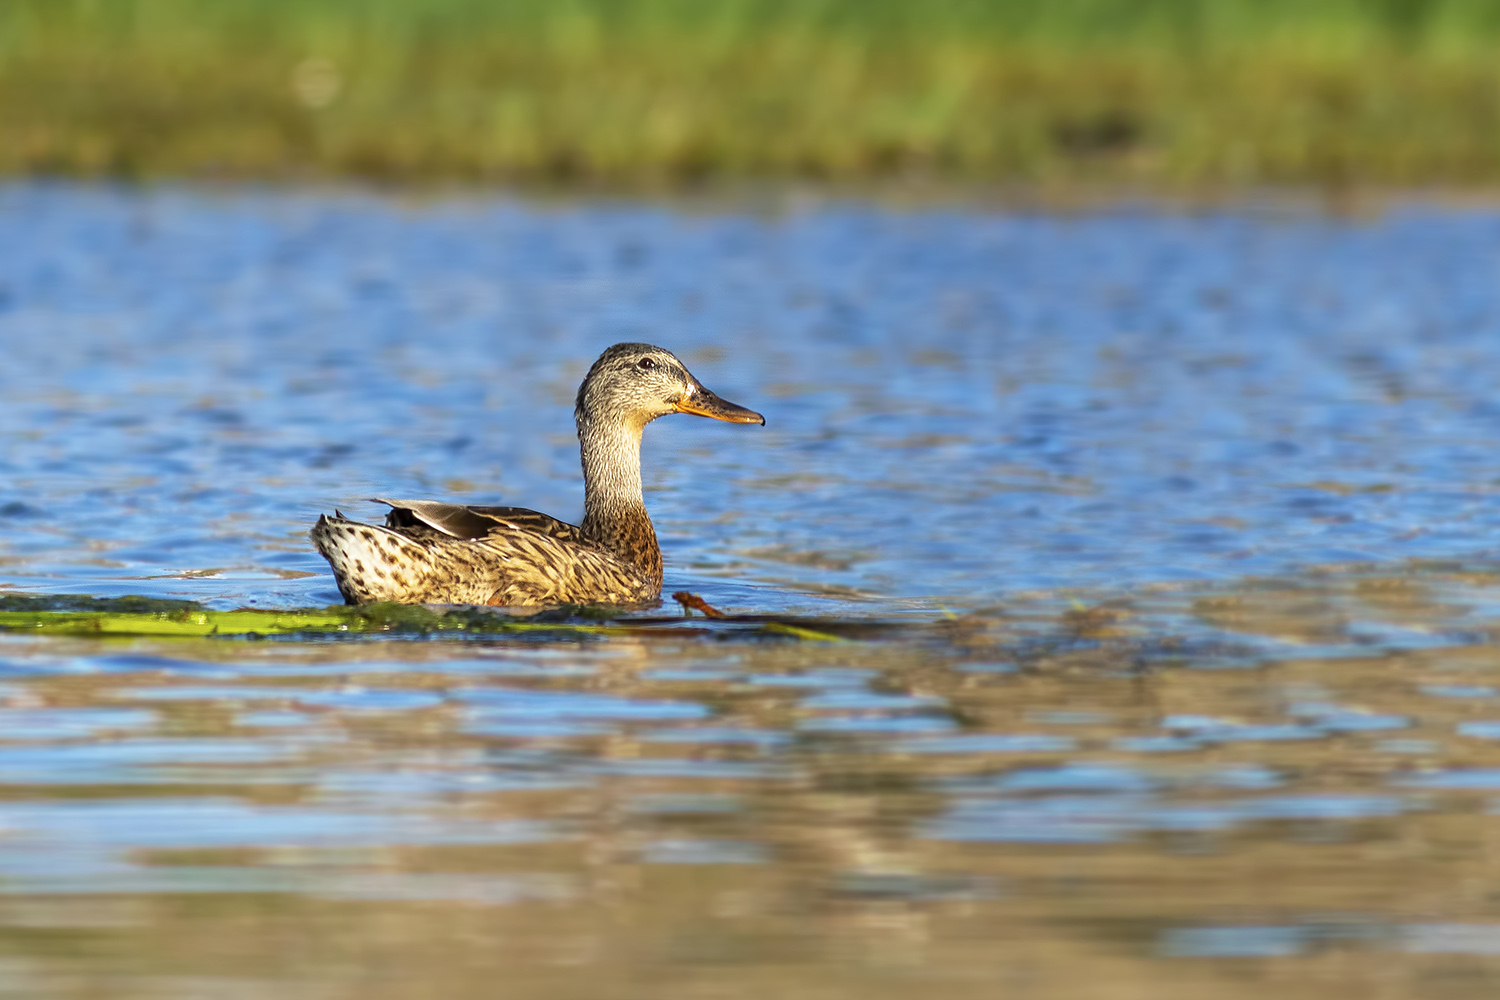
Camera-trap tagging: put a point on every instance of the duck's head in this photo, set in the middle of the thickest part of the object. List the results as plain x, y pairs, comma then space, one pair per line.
633, 384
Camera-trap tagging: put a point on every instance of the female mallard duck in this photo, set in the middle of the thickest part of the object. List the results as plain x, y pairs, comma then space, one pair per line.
431, 552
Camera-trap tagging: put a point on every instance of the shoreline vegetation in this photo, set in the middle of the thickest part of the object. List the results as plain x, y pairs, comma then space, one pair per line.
1164, 94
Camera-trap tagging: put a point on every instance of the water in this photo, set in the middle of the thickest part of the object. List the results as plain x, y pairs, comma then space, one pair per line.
1166, 541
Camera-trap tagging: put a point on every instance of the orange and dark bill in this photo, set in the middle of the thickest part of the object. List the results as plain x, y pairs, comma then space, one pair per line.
706, 404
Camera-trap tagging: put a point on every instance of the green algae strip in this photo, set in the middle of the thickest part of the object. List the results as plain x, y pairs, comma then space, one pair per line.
198, 623
811, 635
204, 622
144, 616
140, 616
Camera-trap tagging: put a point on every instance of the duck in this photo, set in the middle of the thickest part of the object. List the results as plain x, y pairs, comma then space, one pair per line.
431, 552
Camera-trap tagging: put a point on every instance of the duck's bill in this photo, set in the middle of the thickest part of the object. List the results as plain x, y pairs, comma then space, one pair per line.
705, 404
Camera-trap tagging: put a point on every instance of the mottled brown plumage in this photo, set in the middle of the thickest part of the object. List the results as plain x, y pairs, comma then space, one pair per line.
433, 552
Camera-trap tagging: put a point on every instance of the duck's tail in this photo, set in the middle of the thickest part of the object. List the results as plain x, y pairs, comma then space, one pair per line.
372, 563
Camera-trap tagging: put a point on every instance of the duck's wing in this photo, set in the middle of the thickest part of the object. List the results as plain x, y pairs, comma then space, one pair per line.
463, 521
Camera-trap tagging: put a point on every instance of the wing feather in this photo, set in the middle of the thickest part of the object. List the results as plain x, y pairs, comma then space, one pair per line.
462, 521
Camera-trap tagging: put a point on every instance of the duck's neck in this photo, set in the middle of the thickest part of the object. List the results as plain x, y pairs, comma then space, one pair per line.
614, 510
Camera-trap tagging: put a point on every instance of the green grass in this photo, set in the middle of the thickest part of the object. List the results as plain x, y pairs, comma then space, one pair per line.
658, 92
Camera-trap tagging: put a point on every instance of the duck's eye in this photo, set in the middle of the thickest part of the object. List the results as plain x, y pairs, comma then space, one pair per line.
646, 364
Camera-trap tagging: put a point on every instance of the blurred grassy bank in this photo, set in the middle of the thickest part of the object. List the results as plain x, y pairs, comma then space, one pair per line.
1165, 92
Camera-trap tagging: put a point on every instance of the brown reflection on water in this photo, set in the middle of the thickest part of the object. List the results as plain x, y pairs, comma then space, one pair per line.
1162, 794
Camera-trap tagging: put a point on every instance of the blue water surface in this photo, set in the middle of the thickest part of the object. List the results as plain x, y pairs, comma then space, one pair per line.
961, 403
1176, 530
